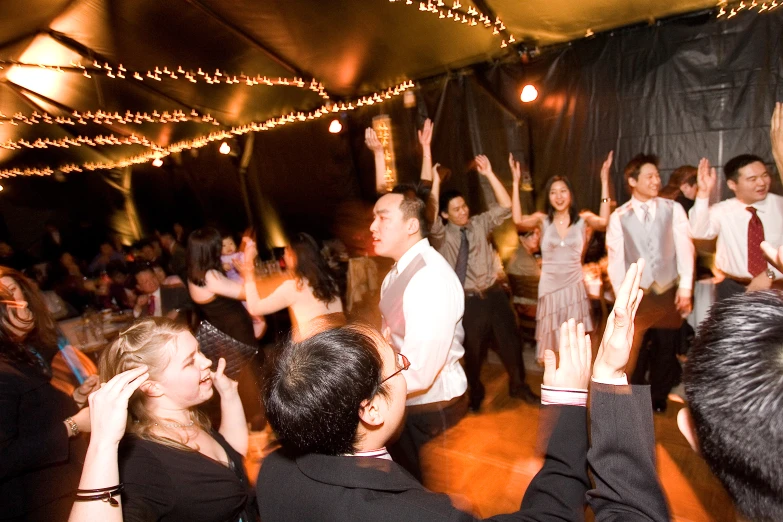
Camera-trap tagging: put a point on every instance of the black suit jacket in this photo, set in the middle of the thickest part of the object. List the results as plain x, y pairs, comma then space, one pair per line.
359, 488
172, 298
320, 487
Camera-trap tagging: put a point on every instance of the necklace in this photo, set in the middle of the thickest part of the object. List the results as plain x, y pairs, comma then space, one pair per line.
561, 218
175, 424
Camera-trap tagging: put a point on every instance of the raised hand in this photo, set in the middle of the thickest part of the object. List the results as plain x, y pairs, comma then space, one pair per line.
706, 178
606, 167
575, 356
221, 382
616, 344
425, 134
775, 257
372, 141
516, 169
483, 165
109, 405
248, 266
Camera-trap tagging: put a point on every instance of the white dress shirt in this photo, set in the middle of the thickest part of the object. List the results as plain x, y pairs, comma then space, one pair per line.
433, 304
728, 220
683, 245
158, 305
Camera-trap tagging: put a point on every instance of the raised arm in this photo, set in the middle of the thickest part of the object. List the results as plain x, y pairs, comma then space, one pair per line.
701, 222
425, 139
776, 137
484, 168
523, 223
279, 299
601, 221
108, 417
374, 144
622, 456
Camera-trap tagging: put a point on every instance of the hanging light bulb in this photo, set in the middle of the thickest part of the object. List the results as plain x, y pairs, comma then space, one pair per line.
529, 94
225, 148
335, 127
157, 162
1, 188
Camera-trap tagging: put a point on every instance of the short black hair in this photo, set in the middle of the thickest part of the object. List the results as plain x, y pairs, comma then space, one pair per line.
634, 166
446, 197
413, 204
732, 167
315, 388
734, 386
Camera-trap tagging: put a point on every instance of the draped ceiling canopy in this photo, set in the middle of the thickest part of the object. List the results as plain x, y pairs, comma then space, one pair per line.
180, 59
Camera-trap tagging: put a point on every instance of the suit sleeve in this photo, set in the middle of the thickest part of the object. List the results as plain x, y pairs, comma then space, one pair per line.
622, 456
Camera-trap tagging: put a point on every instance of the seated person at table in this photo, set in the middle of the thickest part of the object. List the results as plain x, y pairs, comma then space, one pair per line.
336, 399
157, 300
734, 384
173, 464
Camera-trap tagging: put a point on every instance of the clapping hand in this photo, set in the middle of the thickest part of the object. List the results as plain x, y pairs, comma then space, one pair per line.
372, 141
775, 257
223, 384
109, 405
483, 165
425, 134
706, 178
616, 344
606, 167
575, 356
80, 394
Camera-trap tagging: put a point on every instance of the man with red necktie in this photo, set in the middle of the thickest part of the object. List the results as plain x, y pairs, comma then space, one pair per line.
740, 223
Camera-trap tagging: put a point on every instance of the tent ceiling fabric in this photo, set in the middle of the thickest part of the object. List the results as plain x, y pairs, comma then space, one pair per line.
354, 47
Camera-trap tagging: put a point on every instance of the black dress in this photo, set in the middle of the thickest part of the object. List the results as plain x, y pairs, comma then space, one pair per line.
165, 483
39, 465
230, 317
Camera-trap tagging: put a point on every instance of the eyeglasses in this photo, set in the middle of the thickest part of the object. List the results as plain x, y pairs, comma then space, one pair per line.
402, 363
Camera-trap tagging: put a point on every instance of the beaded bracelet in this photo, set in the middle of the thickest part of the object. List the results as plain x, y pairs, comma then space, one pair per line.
72, 426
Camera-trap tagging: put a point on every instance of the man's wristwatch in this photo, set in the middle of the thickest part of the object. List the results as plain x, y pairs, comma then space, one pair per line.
770, 274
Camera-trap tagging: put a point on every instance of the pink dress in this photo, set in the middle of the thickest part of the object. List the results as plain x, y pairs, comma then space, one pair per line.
561, 290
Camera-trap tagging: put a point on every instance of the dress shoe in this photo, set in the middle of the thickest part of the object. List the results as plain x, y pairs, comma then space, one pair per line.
526, 394
476, 398
659, 405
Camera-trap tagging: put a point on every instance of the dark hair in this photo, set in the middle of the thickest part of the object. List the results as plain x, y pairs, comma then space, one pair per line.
42, 336
734, 387
573, 213
413, 204
685, 174
204, 248
446, 197
311, 265
732, 167
144, 266
316, 387
634, 166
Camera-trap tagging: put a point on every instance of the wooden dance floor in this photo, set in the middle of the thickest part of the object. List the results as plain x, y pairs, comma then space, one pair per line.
487, 460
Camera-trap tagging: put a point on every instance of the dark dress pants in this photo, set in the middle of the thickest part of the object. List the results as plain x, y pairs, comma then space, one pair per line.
491, 313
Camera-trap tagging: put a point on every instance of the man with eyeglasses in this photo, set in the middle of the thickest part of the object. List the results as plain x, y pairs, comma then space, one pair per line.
336, 399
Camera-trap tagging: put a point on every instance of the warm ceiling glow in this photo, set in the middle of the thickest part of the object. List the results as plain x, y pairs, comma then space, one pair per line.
157, 162
335, 127
51, 84
529, 93
225, 148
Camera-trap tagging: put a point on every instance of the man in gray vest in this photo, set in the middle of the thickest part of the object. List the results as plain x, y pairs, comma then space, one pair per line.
422, 303
656, 230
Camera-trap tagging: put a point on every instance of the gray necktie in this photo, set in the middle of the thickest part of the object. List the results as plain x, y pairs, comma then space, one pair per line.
461, 266
647, 220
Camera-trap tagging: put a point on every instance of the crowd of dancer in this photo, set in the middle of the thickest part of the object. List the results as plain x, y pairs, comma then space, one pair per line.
351, 405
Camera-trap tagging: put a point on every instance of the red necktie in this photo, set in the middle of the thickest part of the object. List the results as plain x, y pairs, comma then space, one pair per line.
756, 261
151, 305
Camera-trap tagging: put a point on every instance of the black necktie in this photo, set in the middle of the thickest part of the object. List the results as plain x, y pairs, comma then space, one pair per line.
461, 268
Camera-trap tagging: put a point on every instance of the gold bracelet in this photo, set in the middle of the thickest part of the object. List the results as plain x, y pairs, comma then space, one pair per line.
72, 427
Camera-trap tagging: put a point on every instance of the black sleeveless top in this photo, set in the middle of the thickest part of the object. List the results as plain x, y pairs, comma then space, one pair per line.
230, 317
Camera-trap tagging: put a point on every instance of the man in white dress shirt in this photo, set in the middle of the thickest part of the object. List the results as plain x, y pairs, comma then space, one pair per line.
422, 303
657, 230
740, 223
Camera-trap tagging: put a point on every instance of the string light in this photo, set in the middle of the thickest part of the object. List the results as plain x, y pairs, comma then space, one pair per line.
160, 73
77, 141
202, 141
472, 17
731, 9
100, 117
225, 148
